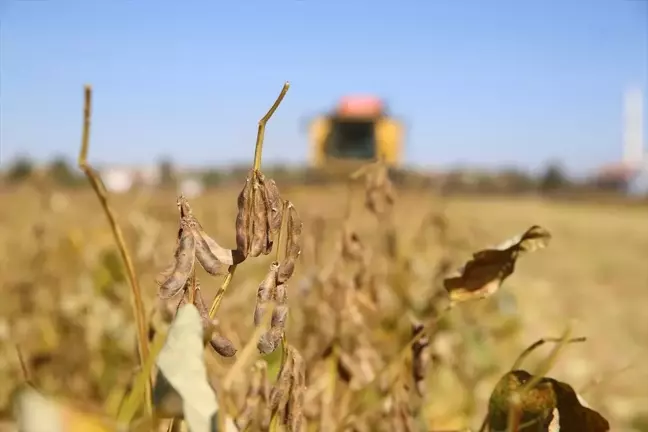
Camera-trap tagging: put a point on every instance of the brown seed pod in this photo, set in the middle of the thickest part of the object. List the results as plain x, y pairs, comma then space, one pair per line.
212, 257
280, 312
243, 221
264, 292
247, 413
293, 244
165, 274
258, 384
420, 357
379, 189
270, 340
222, 345
260, 242
352, 247
183, 265
273, 203
279, 393
264, 392
219, 343
396, 411
295, 404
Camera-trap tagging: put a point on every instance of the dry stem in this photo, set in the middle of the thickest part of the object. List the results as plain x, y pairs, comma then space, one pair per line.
97, 185
258, 150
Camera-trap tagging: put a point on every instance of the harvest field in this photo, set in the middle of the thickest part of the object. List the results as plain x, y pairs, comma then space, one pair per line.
339, 308
66, 300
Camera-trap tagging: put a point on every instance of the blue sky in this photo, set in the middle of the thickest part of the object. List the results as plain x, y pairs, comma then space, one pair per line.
491, 83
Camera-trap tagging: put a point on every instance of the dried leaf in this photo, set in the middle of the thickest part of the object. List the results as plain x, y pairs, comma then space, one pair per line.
531, 240
484, 273
573, 414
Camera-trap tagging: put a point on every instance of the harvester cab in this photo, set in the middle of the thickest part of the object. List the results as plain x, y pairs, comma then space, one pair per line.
357, 131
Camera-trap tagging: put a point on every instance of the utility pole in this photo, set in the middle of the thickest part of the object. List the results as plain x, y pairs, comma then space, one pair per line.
633, 146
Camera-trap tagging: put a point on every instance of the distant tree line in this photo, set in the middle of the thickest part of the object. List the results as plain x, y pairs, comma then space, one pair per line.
553, 179
58, 171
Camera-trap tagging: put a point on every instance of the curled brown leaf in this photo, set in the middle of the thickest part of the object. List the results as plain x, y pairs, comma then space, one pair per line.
484, 273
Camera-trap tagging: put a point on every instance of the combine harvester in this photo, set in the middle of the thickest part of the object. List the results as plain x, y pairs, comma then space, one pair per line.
359, 130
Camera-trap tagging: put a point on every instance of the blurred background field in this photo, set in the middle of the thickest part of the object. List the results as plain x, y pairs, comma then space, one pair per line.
65, 299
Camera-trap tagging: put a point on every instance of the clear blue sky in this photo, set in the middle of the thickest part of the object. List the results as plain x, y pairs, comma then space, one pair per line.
487, 82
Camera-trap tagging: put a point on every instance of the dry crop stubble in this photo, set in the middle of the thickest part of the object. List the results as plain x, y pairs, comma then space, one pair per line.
363, 274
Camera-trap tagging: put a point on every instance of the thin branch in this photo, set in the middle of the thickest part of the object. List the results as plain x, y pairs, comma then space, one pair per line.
537, 344
23, 367
258, 148
100, 191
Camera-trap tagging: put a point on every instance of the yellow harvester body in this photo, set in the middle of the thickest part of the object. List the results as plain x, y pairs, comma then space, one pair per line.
357, 132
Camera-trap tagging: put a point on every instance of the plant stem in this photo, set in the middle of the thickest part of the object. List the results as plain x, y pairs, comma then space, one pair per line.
258, 150
221, 292
136, 294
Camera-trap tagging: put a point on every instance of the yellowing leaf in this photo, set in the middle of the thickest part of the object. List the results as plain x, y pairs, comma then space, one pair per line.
484, 273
